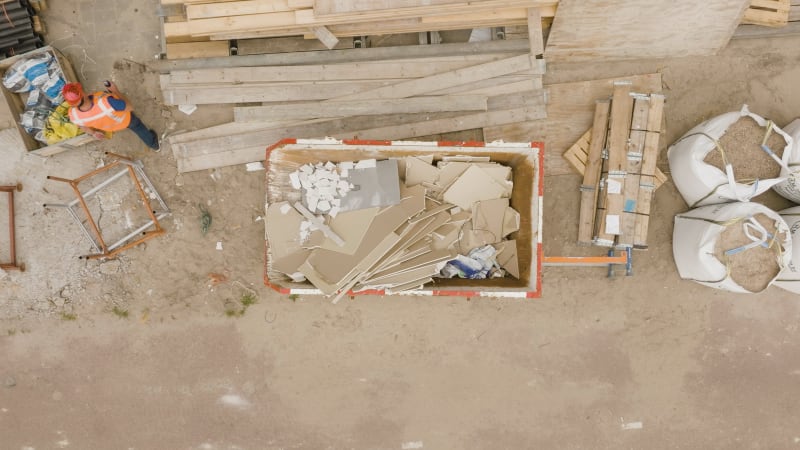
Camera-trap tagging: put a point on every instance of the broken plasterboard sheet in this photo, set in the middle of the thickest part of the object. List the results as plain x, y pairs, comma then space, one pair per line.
413, 199
418, 284
472, 186
466, 158
510, 221
470, 239
414, 263
290, 263
372, 186
445, 236
488, 216
283, 230
419, 171
351, 227
406, 277
507, 257
338, 269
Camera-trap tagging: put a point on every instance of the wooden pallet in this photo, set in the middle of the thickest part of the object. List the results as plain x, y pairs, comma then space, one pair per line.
578, 154
768, 13
618, 160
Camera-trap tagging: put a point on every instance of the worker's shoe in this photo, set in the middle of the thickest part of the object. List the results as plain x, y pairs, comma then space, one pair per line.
155, 146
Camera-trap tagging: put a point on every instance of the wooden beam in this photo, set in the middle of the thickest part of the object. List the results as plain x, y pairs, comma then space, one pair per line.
235, 8
303, 111
324, 35
535, 35
348, 55
447, 79
591, 175
197, 49
619, 129
275, 92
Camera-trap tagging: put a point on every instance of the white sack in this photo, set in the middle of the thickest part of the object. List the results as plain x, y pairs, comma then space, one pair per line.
789, 277
703, 184
790, 188
695, 237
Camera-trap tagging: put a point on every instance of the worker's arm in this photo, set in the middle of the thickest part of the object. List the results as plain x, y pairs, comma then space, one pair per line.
97, 134
114, 91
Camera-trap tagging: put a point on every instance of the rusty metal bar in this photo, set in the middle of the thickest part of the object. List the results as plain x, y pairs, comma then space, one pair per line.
133, 168
13, 265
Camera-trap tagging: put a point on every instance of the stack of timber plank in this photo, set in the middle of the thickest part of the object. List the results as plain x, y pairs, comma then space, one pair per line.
620, 172
409, 94
20, 27
202, 21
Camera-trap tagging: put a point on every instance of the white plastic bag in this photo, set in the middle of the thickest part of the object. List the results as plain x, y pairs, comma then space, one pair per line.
789, 278
697, 232
702, 184
790, 188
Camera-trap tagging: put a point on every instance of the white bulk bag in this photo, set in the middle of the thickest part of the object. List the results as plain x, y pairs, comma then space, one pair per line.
703, 184
790, 188
695, 237
789, 277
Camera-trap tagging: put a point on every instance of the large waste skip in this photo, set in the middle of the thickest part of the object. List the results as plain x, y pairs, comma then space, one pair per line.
524, 159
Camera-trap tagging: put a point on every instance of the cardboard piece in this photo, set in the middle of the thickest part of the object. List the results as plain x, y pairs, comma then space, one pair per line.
351, 227
472, 186
419, 171
510, 221
488, 215
283, 230
507, 257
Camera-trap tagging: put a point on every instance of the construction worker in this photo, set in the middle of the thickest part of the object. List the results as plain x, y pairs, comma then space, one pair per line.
102, 112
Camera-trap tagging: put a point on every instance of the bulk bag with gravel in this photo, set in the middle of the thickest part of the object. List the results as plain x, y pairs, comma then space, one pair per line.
789, 278
739, 247
790, 188
732, 157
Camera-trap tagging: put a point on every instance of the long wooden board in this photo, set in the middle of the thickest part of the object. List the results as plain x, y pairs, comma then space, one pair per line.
591, 176
637, 29
233, 156
302, 111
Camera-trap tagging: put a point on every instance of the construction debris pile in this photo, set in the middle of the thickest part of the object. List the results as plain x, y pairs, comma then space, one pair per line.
394, 224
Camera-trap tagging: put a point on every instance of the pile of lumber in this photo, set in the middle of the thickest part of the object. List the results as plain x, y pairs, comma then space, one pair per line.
20, 27
406, 93
202, 22
620, 171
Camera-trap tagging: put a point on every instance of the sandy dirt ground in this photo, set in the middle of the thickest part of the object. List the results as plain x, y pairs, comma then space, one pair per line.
642, 362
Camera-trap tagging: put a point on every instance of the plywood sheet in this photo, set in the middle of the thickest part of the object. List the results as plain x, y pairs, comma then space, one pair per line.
634, 29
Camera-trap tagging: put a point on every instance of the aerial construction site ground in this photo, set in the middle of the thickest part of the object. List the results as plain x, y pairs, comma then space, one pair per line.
648, 361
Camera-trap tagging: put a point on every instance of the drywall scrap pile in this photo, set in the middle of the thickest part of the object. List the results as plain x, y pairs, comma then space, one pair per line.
395, 224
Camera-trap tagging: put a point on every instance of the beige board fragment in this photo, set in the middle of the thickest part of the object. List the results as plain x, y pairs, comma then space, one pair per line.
351, 227
507, 257
283, 229
510, 221
291, 263
474, 185
489, 215
419, 171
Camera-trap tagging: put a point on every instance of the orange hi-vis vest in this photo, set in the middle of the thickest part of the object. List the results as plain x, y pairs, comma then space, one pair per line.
101, 116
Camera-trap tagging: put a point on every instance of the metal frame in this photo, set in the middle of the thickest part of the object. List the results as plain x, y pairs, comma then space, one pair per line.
135, 169
625, 258
13, 265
